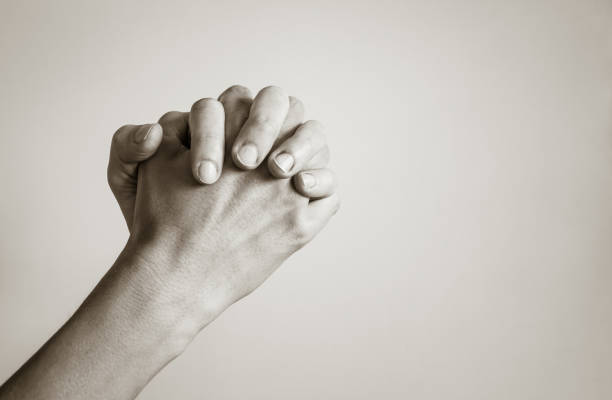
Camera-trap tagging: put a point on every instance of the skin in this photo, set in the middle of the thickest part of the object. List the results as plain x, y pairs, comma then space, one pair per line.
194, 249
133, 144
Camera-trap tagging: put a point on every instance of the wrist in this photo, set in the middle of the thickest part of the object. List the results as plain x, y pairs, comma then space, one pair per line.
139, 303
165, 286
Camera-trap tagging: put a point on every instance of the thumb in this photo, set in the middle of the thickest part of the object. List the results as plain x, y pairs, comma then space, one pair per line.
131, 145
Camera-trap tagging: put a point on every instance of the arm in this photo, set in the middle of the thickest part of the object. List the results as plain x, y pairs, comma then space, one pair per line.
119, 338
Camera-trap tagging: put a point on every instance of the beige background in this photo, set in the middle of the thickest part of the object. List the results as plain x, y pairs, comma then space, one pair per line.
472, 257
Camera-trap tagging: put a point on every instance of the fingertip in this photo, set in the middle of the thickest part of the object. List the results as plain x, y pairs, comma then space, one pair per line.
155, 132
148, 138
276, 91
206, 103
316, 183
235, 91
246, 156
307, 181
142, 133
300, 185
296, 106
280, 164
206, 172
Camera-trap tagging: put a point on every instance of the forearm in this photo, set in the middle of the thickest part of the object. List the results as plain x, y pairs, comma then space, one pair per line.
120, 337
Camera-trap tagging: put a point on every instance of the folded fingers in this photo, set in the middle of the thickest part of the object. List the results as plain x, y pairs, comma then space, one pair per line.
262, 128
298, 151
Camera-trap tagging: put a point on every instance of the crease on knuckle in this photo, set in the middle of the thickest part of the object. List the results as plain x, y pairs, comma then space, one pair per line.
264, 122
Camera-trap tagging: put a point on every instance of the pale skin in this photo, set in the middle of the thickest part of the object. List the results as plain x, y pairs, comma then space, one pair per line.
196, 246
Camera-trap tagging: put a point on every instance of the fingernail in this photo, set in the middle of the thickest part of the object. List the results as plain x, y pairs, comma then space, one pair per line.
207, 171
142, 134
247, 154
308, 180
284, 161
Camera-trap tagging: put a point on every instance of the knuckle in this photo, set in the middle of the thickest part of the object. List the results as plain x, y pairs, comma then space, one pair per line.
314, 126
300, 227
118, 132
310, 138
337, 205
204, 103
168, 116
304, 145
235, 90
114, 181
273, 90
295, 104
296, 111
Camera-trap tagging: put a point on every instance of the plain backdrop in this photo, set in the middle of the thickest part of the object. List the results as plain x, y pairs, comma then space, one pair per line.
472, 256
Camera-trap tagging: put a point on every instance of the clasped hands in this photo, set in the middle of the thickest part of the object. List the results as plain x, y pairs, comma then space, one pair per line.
208, 201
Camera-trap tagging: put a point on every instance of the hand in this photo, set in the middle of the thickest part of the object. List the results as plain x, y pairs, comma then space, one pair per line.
209, 245
303, 153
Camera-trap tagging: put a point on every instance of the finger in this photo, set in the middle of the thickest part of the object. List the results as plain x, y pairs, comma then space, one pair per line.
315, 183
266, 117
207, 130
295, 116
319, 213
319, 160
237, 102
175, 125
131, 145
291, 155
